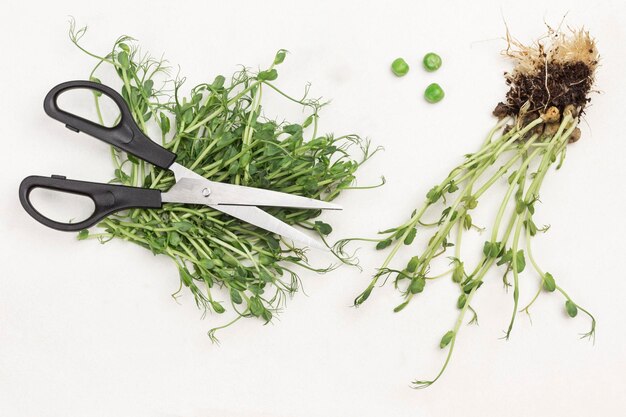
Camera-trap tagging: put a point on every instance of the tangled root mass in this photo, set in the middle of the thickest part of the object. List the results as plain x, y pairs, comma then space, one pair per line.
556, 73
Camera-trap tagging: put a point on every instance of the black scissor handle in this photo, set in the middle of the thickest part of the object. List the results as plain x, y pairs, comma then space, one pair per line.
126, 135
107, 198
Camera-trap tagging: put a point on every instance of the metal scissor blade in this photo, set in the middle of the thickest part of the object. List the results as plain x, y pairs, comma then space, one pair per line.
193, 188
260, 218
224, 193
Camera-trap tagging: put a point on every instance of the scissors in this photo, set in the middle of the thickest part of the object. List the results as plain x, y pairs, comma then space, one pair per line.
190, 188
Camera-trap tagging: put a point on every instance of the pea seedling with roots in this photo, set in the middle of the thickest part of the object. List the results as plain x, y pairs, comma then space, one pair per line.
549, 88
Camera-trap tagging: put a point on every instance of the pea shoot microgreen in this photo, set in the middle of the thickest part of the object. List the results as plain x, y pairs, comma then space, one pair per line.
218, 130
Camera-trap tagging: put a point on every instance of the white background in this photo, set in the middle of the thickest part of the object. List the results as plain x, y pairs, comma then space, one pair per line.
91, 330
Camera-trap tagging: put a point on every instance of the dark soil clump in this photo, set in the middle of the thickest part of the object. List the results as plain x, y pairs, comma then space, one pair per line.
560, 85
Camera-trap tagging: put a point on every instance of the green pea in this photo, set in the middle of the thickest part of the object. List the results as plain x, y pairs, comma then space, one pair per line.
434, 93
431, 61
399, 67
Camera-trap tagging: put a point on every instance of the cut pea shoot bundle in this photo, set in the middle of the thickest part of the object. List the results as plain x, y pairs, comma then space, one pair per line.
218, 131
549, 88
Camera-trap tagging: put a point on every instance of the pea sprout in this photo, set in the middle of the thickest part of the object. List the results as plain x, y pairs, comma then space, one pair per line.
549, 89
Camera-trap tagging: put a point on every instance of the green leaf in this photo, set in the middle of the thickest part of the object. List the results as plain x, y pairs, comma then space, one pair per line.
185, 278
272, 242
400, 307
470, 202
245, 159
207, 263
183, 226
446, 339
363, 296
164, 123
123, 60
467, 288
217, 307
218, 82
492, 249
268, 75
459, 273
398, 234
147, 87
383, 244
511, 177
255, 306
571, 309
265, 277
487, 249
235, 296
412, 265
280, 56
520, 261
208, 280
83, 234
467, 222
323, 228
255, 289
531, 226
410, 237
417, 285
234, 168
433, 195
173, 238
548, 282
188, 116
267, 315
121, 176
460, 302
96, 80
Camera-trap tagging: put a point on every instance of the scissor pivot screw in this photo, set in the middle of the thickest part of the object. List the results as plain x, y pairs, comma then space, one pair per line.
206, 192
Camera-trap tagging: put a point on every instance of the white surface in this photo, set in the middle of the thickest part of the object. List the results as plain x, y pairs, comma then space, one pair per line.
90, 330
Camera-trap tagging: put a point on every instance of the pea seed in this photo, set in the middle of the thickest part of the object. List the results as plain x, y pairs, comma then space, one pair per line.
431, 61
434, 93
399, 67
